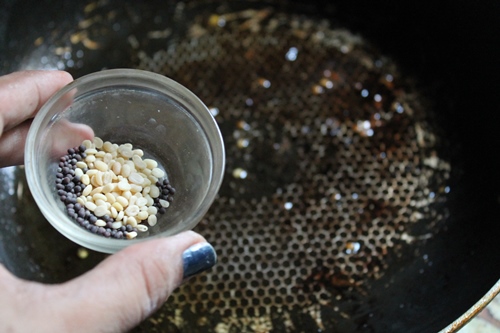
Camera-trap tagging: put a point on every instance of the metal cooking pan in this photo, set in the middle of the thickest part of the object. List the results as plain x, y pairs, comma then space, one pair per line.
362, 188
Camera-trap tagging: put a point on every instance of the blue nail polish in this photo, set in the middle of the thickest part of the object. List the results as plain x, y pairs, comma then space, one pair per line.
198, 258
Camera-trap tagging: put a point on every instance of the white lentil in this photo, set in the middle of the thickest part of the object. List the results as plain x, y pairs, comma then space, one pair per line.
81, 200
98, 179
152, 210
127, 194
107, 177
126, 152
117, 168
124, 185
152, 220
101, 166
141, 202
107, 158
93, 181
126, 170
114, 212
100, 211
90, 206
85, 179
101, 202
118, 206
135, 188
100, 223
158, 173
96, 190
108, 188
92, 172
150, 163
122, 200
132, 200
87, 144
116, 225
81, 165
135, 178
142, 228
132, 210
98, 142
90, 159
86, 191
131, 235
138, 152
110, 198
138, 162
142, 215
91, 151
120, 215
164, 203
78, 173
132, 221
107, 146
98, 196
155, 191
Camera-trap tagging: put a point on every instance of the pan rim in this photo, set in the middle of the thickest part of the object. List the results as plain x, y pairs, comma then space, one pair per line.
473, 311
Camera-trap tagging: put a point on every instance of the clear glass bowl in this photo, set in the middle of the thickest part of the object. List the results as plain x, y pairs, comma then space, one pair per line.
154, 113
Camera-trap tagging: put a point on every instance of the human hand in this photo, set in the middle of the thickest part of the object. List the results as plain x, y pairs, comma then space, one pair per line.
21, 96
122, 290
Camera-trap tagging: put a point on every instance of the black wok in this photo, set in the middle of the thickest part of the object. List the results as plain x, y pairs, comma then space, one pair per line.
451, 51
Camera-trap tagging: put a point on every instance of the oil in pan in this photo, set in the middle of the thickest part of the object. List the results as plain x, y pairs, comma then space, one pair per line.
331, 163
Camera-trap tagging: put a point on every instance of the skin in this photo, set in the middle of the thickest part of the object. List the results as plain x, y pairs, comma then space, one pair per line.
116, 295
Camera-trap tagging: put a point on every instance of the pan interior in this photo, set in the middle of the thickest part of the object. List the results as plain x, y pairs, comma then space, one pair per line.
333, 164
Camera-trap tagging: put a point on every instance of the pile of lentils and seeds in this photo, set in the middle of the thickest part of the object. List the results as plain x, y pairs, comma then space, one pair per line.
110, 190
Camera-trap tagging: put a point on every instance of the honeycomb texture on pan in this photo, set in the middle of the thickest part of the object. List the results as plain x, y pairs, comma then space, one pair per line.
330, 161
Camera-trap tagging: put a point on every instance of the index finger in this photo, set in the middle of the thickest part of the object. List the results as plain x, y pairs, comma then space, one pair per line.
23, 93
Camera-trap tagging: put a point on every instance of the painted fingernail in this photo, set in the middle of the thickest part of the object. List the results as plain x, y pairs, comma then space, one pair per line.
198, 258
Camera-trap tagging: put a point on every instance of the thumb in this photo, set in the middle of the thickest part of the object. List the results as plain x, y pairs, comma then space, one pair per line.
130, 285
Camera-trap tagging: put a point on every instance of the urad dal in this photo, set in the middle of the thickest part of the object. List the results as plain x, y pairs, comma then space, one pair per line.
110, 190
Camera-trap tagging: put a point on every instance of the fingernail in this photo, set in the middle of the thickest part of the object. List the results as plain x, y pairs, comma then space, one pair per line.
198, 258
